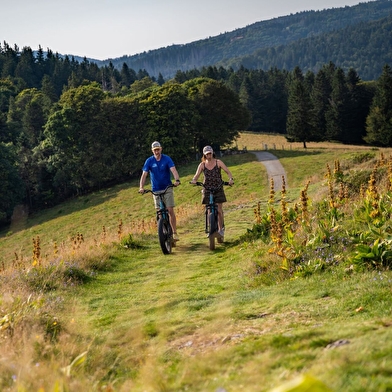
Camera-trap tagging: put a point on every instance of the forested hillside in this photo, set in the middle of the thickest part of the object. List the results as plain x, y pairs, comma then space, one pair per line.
364, 47
308, 39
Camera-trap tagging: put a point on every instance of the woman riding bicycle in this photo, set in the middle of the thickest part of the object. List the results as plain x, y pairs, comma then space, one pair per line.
211, 168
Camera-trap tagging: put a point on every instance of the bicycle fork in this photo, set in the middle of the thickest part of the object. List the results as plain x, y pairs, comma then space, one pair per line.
211, 208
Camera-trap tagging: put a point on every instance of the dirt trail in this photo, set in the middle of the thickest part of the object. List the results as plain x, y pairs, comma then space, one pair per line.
274, 168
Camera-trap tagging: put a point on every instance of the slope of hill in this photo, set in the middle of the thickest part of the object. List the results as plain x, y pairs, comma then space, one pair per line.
365, 47
195, 320
247, 40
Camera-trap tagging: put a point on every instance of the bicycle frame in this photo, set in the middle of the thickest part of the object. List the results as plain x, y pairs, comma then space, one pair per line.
211, 208
165, 232
163, 211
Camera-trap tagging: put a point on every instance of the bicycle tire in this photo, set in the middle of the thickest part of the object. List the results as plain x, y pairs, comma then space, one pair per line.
213, 223
165, 236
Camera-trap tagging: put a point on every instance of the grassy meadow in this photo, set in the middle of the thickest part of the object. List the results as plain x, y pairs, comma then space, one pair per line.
88, 301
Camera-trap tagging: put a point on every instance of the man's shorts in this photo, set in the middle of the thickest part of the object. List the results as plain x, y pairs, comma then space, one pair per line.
168, 197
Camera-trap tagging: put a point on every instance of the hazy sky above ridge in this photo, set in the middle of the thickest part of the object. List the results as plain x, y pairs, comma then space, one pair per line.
102, 29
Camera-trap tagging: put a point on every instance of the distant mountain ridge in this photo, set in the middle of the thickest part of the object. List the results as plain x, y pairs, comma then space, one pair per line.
365, 47
262, 38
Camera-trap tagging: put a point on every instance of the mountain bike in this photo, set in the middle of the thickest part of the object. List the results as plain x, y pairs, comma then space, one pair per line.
211, 215
165, 231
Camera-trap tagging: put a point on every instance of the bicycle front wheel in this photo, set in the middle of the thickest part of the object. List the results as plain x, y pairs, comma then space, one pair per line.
213, 223
165, 235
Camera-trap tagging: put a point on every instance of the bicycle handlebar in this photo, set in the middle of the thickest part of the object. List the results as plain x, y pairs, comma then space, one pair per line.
198, 183
159, 192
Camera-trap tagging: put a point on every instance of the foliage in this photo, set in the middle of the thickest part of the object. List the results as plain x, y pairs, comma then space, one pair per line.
130, 243
379, 121
312, 237
11, 185
221, 115
377, 255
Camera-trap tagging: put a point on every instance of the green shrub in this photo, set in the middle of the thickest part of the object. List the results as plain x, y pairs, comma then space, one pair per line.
362, 157
129, 243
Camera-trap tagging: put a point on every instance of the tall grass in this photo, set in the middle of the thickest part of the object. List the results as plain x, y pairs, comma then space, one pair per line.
89, 302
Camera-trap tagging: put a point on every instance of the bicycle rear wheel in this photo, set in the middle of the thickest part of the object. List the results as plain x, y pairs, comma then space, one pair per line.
165, 235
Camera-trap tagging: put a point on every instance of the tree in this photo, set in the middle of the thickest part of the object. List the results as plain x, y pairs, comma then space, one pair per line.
119, 141
26, 68
8, 90
160, 79
359, 100
142, 84
320, 100
300, 118
127, 75
26, 119
72, 133
221, 114
169, 116
11, 185
379, 120
337, 112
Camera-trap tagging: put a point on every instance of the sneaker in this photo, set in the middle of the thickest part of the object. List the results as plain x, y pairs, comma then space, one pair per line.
176, 237
221, 232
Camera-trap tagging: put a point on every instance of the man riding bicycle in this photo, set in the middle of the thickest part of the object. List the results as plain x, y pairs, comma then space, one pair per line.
160, 167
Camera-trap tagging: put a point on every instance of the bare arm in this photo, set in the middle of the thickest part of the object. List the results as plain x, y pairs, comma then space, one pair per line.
228, 172
175, 175
198, 172
142, 181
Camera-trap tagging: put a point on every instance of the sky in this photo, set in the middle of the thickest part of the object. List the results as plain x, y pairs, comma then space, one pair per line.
104, 29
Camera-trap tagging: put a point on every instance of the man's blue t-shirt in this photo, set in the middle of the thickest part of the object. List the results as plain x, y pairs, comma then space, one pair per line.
160, 174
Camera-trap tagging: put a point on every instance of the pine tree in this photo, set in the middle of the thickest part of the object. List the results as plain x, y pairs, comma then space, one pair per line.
379, 120
320, 98
300, 112
337, 112
358, 108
